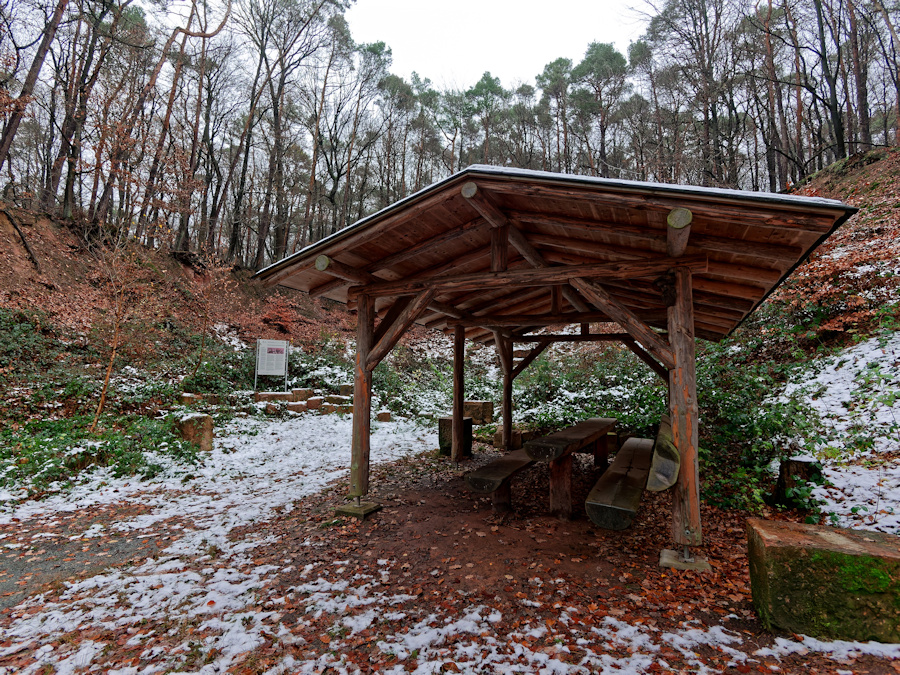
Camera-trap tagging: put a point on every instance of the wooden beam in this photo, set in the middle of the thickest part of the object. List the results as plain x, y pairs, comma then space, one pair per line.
605, 238
776, 216
491, 213
499, 248
678, 231
683, 414
456, 263
409, 314
390, 317
529, 277
499, 320
529, 358
482, 203
591, 337
362, 399
459, 392
339, 269
627, 319
556, 300
655, 365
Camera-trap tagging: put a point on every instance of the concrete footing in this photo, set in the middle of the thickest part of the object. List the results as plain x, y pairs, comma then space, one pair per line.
361, 510
675, 560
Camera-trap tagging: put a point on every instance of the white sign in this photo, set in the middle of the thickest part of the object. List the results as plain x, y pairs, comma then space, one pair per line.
272, 357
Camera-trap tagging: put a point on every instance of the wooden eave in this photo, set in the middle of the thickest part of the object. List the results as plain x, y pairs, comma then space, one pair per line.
742, 244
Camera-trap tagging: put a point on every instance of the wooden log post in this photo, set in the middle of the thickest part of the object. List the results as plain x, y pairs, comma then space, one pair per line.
683, 413
505, 352
362, 398
459, 392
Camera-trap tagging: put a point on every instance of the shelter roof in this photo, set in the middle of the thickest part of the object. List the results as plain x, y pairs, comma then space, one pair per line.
492, 244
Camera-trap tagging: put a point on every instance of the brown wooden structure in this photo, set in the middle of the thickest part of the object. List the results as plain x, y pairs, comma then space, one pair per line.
492, 254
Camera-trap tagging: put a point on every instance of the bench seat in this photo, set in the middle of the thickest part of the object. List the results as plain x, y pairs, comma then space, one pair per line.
495, 478
613, 502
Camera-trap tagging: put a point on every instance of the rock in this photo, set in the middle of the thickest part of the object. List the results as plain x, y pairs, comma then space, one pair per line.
825, 582
383, 416
346, 409
346, 390
191, 399
337, 400
301, 394
517, 441
272, 408
197, 429
273, 396
297, 407
481, 412
445, 436
314, 402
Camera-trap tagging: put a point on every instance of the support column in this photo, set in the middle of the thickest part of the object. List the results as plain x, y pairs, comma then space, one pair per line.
362, 398
505, 352
683, 411
459, 392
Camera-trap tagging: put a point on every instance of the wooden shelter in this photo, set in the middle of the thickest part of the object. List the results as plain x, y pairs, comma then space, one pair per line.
493, 254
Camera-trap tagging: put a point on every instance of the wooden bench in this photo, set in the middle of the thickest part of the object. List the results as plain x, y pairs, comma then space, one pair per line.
495, 478
613, 502
589, 435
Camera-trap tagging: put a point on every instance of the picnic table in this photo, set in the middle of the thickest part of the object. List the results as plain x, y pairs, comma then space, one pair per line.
557, 448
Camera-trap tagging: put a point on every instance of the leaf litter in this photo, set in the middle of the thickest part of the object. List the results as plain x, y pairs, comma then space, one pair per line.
251, 572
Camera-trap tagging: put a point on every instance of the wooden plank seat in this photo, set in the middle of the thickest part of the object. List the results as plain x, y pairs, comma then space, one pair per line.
495, 478
613, 502
589, 435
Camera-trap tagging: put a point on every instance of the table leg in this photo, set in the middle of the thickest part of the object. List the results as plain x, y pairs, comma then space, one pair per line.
561, 487
501, 498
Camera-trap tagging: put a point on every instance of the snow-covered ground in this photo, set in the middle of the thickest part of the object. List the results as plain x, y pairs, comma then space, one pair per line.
857, 395
210, 582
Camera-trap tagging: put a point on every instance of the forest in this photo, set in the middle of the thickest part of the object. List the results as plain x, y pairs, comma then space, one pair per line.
245, 131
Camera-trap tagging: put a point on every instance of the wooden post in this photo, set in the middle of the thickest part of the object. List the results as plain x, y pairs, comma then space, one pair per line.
504, 351
362, 398
459, 392
686, 530
561, 487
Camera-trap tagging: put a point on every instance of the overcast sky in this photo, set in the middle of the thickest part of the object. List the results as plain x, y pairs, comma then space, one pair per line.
453, 43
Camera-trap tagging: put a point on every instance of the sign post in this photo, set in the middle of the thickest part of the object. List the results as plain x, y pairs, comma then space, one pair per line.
272, 359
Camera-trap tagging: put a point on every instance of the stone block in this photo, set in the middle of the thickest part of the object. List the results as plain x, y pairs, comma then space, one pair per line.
445, 436
337, 399
516, 442
272, 408
383, 416
327, 408
346, 390
481, 412
191, 399
346, 409
197, 429
297, 407
825, 582
314, 402
301, 394
273, 396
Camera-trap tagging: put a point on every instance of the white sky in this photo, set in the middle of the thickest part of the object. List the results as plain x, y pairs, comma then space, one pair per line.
453, 43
